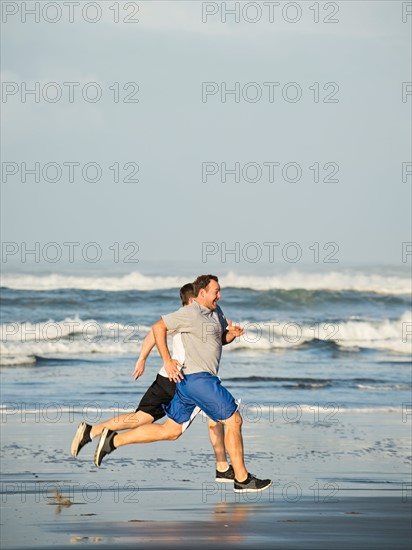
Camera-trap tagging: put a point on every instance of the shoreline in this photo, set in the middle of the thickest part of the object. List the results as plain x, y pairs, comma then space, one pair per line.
342, 485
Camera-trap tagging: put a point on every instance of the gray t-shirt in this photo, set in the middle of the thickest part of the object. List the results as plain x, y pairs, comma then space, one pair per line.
201, 331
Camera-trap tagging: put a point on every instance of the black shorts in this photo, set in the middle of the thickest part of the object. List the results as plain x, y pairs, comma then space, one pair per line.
160, 393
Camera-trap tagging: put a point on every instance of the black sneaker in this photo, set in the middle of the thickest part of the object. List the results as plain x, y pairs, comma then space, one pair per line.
251, 485
81, 437
105, 445
226, 477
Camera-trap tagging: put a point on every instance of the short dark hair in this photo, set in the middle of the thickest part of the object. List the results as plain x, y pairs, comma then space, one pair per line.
186, 292
203, 282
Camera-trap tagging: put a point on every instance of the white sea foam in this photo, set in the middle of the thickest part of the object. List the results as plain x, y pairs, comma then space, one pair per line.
358, 282
133, 281
383, 387
391, 335
333, 281
20, 342
68, 329
12, 360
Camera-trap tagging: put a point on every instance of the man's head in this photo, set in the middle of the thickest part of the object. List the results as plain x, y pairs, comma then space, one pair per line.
187, 294
207, 291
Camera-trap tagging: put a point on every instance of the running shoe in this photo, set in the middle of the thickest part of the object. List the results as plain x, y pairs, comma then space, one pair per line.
105, 445
225, 477
251, 484
81, 438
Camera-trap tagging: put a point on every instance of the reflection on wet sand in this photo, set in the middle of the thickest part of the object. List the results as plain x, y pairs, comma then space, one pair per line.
225, 524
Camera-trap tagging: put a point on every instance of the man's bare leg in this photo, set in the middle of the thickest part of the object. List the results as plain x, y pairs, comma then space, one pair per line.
147, 433
171, 430
217, 438
85, 433
234, 445
126, 421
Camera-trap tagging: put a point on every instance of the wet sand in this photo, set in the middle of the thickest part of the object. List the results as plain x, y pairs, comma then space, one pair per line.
341, 485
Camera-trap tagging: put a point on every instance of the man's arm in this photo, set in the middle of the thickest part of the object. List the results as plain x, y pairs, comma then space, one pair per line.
147, 346
160, 333
232, 332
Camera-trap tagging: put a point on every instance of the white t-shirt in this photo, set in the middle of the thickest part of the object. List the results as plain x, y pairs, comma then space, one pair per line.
178, 352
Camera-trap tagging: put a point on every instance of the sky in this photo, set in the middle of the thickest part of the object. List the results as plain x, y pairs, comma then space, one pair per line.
274, 137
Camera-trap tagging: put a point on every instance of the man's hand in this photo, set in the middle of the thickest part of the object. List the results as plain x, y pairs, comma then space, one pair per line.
232, 332
173, 372
139, 368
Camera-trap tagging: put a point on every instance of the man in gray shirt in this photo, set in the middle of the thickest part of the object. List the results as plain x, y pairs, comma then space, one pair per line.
204, 331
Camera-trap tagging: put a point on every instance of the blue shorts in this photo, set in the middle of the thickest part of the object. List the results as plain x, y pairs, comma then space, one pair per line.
204, 390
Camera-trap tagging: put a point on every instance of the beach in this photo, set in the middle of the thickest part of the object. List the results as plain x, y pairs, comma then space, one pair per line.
146, 143
339, 485
323, 375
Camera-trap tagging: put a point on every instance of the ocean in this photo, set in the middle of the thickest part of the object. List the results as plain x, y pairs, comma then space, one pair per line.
320, 343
